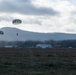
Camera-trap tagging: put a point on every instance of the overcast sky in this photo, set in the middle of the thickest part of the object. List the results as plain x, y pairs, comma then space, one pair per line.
39, 15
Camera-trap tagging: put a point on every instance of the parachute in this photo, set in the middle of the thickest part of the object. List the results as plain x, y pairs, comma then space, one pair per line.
1, 32
16, 21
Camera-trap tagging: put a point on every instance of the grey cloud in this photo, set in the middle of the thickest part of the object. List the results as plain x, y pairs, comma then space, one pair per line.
27, 1
6, 18
70, 30
31, 21
25, 7
72, 19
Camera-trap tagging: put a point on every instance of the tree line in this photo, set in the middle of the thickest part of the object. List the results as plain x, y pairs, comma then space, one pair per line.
30, 43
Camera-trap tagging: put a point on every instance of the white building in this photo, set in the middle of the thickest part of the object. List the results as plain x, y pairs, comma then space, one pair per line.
7, 46
10, 46
44, 46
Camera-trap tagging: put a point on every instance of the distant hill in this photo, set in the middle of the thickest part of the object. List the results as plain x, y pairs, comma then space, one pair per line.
14, 34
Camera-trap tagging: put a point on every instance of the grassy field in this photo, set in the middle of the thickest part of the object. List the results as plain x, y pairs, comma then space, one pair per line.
37, 61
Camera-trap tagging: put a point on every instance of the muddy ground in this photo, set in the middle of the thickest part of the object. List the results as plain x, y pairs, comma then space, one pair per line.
32, 61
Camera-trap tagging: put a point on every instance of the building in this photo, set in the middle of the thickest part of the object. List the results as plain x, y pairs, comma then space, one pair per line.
44, 46
10, 46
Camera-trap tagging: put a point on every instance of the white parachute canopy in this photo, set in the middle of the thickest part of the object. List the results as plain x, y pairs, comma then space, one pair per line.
16, 21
